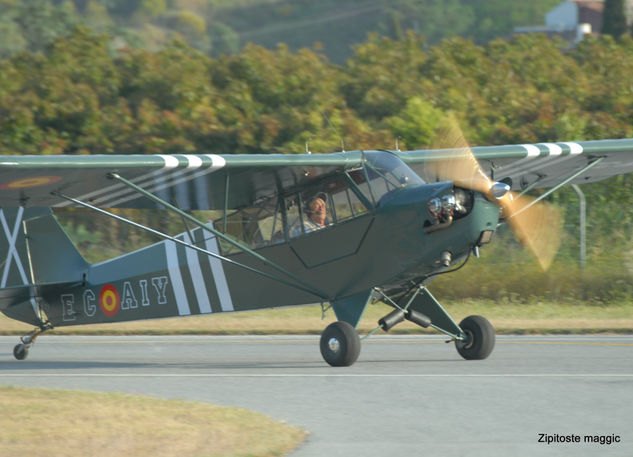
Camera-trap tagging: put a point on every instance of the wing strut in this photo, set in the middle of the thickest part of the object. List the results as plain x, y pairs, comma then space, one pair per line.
308, 287
587, 167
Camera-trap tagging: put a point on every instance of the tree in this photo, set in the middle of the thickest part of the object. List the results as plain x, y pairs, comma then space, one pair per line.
613, 18
417, 124
42, 22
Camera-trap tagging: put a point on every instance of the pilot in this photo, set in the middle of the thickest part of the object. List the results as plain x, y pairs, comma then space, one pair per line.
317, 215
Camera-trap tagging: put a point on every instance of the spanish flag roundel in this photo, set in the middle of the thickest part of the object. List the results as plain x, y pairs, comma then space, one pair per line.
109, 300
25, 183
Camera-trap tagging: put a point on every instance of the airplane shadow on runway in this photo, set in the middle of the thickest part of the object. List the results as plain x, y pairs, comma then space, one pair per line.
131, 367
11, 366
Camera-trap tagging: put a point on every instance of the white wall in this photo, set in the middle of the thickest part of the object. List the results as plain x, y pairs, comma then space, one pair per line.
564, 16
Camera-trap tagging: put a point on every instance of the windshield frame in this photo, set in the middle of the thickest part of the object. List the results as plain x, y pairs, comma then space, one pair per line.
384, 173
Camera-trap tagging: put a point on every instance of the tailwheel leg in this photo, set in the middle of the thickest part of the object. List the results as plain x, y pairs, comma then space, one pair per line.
21, 350
340, 344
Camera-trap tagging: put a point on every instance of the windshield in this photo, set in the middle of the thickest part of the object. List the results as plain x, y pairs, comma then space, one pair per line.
383, 173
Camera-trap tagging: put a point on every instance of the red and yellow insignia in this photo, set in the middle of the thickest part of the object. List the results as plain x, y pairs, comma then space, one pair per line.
26, 183
109, 300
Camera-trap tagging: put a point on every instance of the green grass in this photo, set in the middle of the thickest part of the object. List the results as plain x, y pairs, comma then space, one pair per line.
43, 423
506, 317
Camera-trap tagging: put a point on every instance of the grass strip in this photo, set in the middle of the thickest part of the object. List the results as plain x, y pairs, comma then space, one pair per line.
43, 422
519, 318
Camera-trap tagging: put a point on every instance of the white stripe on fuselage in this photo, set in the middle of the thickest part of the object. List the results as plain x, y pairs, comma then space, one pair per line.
175, 277
217, 269
199, 285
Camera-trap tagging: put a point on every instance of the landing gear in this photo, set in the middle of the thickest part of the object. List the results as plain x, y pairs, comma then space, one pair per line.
340, 344
480, 338
474, 337
21, 350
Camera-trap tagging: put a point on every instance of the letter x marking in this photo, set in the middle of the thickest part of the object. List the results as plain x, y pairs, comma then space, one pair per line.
12, 253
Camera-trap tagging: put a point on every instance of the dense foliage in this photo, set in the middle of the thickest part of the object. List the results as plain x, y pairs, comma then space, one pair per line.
81, 97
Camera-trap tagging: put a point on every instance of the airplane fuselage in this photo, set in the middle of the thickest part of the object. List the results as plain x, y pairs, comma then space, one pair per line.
386, 247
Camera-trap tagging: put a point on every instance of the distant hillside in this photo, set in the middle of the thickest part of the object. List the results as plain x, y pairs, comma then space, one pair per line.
225, 26
340, 25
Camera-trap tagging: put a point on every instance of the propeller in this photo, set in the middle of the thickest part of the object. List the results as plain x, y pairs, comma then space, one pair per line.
538, 226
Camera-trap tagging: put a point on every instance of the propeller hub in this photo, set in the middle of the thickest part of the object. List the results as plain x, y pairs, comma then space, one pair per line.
499, 189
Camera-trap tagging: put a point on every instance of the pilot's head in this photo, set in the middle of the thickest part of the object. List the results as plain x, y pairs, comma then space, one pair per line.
317, 210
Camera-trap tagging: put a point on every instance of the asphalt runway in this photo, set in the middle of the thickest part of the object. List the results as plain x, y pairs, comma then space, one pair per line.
406, 396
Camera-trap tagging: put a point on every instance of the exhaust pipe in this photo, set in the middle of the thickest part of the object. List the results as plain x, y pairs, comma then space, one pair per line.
390, 320
418, 318
397, 315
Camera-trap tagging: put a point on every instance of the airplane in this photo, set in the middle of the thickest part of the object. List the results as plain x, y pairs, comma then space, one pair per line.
389, 221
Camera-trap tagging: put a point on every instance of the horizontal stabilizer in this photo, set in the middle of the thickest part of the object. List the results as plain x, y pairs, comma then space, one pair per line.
13, 296
17, 302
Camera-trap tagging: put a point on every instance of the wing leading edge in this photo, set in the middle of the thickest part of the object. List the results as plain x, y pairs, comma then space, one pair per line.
541, 165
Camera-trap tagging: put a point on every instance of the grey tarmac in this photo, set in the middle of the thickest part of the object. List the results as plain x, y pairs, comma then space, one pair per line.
406, 395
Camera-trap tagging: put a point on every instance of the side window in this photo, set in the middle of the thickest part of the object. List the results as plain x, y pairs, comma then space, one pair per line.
308, 212
269, 229
234, 229
342, 206
359, 178
294, 216
346, 203
254, 227
331, 203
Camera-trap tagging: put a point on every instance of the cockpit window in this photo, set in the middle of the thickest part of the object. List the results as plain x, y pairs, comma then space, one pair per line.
382, 173
276, 220
322, 207
255, 227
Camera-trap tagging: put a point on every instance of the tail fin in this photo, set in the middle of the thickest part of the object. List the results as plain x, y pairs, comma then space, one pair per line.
34, 249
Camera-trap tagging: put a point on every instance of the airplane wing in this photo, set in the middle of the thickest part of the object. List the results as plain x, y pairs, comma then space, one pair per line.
192, 181
208, 181
541, 165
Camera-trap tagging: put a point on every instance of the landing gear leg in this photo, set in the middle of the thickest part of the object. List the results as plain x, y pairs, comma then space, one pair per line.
474, 337
21, 350
340, 343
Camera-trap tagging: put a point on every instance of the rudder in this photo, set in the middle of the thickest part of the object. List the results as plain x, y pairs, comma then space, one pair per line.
34, 249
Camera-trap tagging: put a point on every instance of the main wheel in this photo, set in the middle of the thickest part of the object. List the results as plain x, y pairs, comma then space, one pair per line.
20, 351
480, 338
340, 344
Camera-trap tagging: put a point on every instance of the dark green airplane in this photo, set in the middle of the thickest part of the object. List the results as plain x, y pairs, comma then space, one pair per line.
343, 228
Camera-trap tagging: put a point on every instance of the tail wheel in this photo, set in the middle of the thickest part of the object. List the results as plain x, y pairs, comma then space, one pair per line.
20, 351
340, 344
480, 338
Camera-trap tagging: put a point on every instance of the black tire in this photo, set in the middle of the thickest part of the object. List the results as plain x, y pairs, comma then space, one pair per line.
20, 351
481, 338
340, 344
